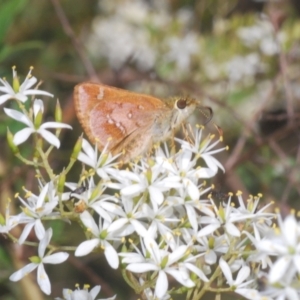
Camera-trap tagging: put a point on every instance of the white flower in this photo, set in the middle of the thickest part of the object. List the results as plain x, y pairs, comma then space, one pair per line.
163, 263
9, 222
203, 148
243, 274
93, 197
101, 237
22, 135
83, 294
128, 219
144, 179
287, 247
39, 261
18, 92
149, 294
164, 214
212, 247
34, 209
101, 164
222, 218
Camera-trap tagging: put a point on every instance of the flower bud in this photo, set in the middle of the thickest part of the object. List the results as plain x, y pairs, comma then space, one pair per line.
61, 182
38, 120
58, 112
16, 82
10, 140
77, 149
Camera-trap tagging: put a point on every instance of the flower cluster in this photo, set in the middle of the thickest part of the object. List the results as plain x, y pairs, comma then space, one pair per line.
156, 219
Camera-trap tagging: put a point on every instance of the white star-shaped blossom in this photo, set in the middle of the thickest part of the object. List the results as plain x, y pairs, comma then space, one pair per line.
22, 135
192, 206
286, 247
101, 164
212, 246
157, 220
257, 216
203, 148
9, 222
242, 275
144, 179
37, 207
128, 219
226, 215
83, 294
20, 92
101, 238
93, 197
164, 262
182, 169
39, 261
149, 293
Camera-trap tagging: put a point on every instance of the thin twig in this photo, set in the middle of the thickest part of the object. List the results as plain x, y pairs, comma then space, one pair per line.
77, 44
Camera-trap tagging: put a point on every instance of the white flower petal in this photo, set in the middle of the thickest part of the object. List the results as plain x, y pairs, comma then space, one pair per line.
49, 137
132, 190
43, 280
22, 135
161, 284
290, 230
141, 267
28, 83
232, 229
226, 270
156, 195
23, 272
210, 257
177, 254
37, 92
243, 274
4, 98
89, 222
95, 291
89, 150
44, 242
197, 271
42, 195
139, 228
86, 247
192, 189
192, 216
116, 225
55, 125
38, 105
56, 258
208, 230
279, 269
39, 229
25, 232
205, 173
18, 116
111, 255
181, 277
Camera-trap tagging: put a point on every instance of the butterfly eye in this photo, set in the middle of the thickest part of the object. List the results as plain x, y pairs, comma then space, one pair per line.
181, 103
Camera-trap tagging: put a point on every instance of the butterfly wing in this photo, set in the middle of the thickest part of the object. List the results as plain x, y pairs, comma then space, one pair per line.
110, 113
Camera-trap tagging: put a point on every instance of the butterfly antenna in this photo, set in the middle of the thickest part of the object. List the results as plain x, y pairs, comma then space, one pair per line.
208, 113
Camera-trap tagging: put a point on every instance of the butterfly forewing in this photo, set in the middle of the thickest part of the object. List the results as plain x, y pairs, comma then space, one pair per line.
107, 112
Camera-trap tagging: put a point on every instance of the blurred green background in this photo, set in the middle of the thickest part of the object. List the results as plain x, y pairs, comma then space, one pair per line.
240, 57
